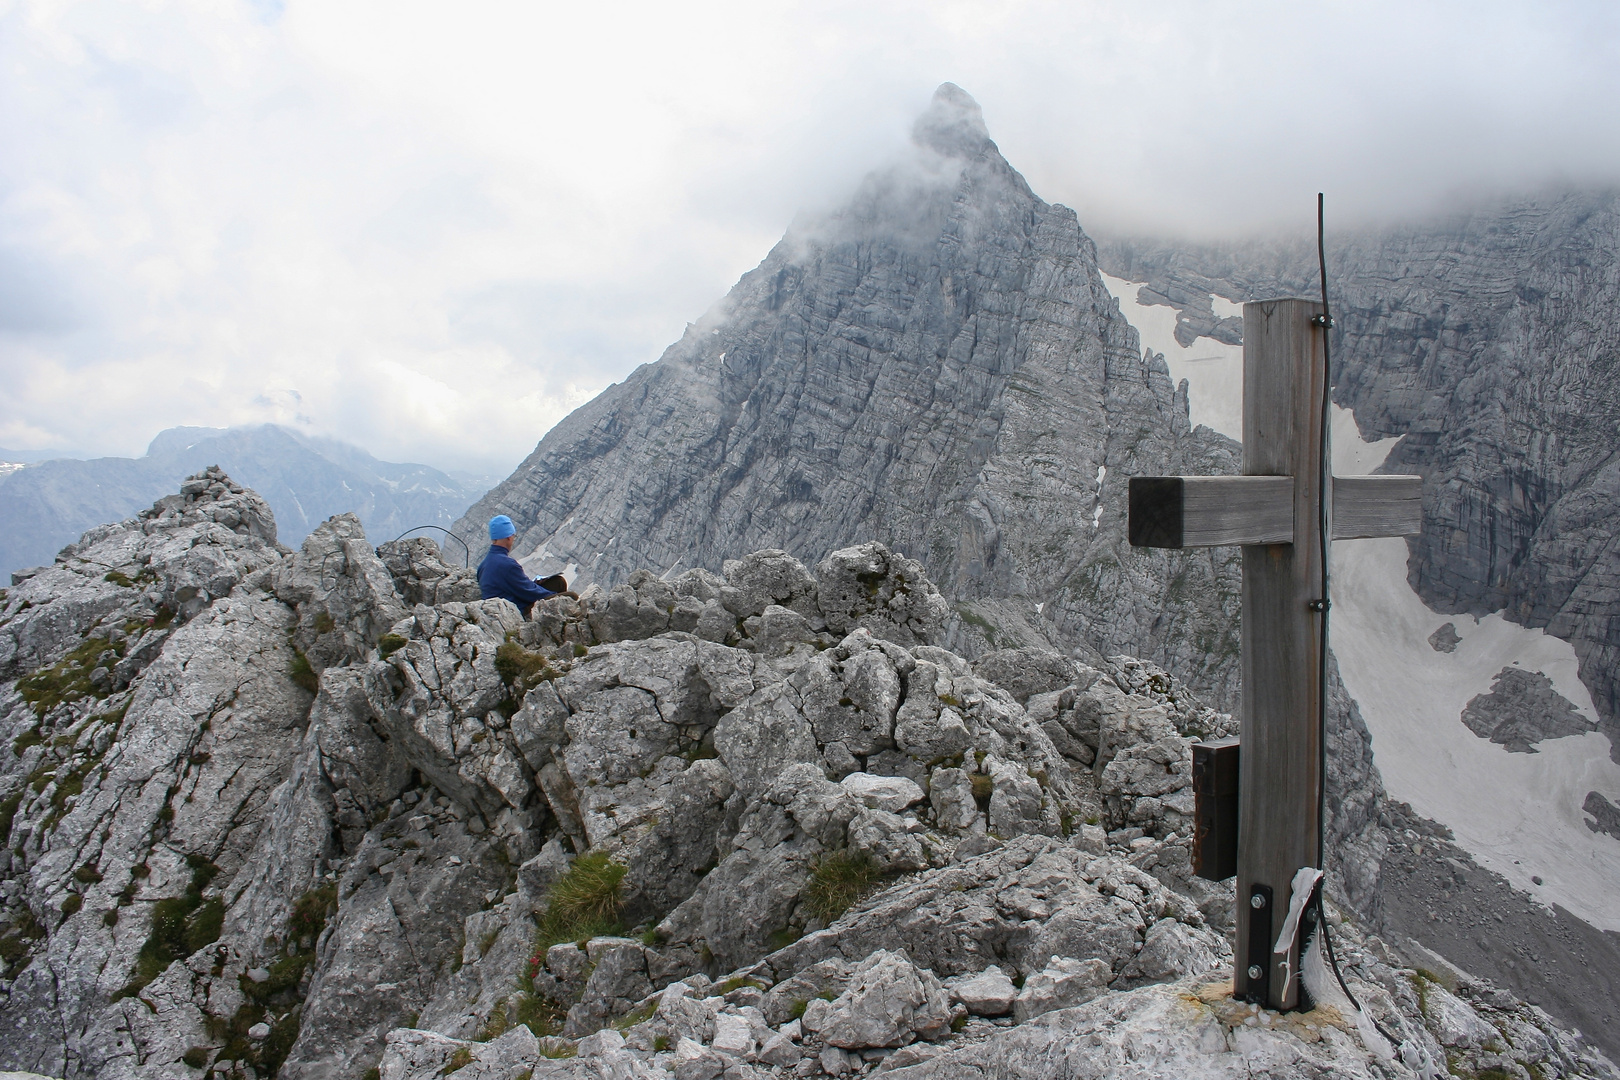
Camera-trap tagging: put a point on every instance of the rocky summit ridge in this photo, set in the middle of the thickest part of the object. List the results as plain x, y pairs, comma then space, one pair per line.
936, 364
324, 813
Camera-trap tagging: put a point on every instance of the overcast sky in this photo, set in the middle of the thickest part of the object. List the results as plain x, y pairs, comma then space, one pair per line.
433, 229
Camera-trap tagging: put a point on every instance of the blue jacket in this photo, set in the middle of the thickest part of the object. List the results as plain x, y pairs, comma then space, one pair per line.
500, 575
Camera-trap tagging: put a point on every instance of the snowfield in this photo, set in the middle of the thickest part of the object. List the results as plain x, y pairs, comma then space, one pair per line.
1517, 814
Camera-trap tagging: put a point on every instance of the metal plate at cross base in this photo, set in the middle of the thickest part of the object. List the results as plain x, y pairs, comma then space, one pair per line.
1273, 511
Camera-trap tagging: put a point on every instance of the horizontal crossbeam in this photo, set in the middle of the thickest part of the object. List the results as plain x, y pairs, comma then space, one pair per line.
1207, 511
1369, 506
1210, 511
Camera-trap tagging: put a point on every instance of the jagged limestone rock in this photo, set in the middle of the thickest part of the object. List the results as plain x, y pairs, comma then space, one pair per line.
888, 1002
1062, 984
216, 865
1521, 710
985, 993
422, 577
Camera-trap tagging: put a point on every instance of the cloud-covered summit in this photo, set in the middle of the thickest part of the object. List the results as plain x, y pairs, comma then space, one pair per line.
953, 125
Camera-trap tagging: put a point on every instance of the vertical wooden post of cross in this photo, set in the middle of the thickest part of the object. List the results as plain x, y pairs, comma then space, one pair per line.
1274, 511
1279, 775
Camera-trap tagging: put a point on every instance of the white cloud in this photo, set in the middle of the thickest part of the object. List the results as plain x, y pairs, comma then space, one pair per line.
434, 229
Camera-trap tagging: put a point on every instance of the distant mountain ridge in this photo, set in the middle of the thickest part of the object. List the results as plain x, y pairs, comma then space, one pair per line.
305, 480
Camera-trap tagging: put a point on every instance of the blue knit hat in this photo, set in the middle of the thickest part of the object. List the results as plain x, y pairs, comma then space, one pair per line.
500, 527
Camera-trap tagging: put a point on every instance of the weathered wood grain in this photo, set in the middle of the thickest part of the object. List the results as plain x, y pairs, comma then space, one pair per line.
1278, 783
1208, 511
1365, 506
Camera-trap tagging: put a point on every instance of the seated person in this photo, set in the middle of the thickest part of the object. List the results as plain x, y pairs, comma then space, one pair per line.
500, 575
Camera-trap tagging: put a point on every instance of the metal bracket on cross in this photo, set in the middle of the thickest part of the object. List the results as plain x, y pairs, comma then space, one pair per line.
1274, 512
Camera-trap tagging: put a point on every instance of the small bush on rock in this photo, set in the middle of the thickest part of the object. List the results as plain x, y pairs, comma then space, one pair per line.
520, 669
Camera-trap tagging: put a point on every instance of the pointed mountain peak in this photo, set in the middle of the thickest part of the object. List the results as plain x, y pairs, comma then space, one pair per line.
953, 124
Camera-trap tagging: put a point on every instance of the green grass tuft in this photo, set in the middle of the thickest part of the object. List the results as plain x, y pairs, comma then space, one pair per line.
495, 1026
389, 644
8, 813
68, 679
543, 1018
839, 879
17, 942
585, 902
736, 983
521, 670
204, 925
301, 673
636, 1016
557, 1049
180, 926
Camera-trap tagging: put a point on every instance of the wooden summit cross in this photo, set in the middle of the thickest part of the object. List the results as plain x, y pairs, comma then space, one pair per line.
1273, 510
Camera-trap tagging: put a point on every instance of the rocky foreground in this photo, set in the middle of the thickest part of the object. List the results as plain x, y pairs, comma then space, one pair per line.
324, 813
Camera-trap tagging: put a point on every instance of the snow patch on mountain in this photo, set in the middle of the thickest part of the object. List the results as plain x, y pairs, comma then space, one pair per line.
1214, 367
1518, 814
